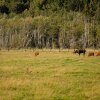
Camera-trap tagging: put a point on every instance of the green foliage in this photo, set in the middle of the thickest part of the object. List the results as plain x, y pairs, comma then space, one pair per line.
60, 22
89, 7
17, 6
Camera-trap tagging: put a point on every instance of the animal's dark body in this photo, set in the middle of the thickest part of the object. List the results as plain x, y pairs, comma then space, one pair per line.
79, 51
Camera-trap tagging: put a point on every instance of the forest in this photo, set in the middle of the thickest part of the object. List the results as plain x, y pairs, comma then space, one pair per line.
49, 24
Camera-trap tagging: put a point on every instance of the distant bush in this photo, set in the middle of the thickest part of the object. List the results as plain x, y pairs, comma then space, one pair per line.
4, 9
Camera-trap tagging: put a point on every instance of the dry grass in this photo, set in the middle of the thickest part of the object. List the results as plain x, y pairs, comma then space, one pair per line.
49, 76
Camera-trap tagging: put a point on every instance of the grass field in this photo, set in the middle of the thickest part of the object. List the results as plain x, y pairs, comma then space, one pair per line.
50, 76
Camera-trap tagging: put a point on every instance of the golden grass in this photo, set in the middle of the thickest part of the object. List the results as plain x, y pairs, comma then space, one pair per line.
49, 76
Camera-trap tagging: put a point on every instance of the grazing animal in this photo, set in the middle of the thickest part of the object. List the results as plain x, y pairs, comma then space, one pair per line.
79, 51
36, 53
98, 53
91, 54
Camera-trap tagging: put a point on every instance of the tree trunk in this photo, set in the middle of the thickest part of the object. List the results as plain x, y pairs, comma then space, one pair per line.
86, 32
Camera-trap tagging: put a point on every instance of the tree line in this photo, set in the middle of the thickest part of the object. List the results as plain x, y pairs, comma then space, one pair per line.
49, 24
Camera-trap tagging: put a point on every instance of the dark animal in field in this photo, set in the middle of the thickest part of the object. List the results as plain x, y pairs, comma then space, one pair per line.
91, 54
80, 51
98, 53
36, 53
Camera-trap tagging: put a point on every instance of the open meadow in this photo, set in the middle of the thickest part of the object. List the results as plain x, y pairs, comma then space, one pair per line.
49, 76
